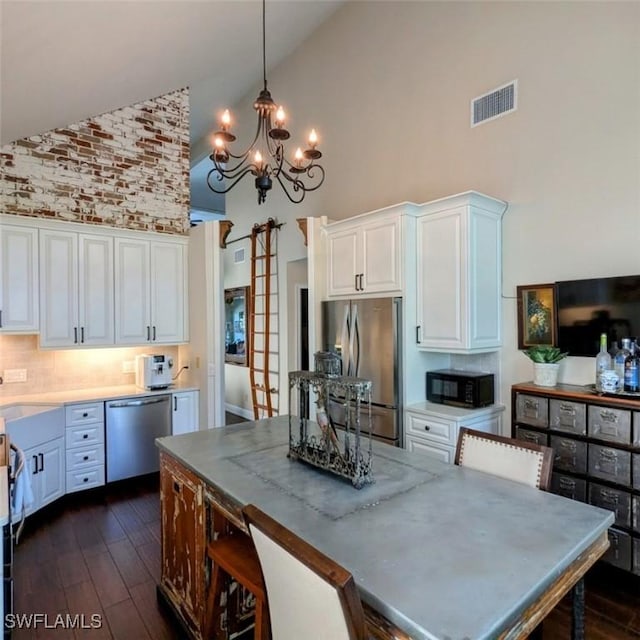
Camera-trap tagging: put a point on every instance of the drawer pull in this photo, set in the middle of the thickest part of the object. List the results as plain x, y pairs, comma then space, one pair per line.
85, 436
608, 416
569, 408
609, 497
85, 458
176, 487
85, 415
566, 483
85, 479
427, 427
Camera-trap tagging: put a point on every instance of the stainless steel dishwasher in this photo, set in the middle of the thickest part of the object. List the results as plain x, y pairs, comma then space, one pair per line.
133, 424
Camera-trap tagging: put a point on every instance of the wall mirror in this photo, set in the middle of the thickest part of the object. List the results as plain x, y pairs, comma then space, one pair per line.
236, 325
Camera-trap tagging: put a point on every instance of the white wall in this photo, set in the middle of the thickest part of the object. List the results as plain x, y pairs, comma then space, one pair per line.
388, 85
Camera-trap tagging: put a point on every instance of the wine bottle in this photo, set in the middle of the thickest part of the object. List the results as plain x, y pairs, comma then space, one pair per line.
618, 365
631, 371
603, 361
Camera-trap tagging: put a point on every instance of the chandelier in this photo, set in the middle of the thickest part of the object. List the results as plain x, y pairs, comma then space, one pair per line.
265, 158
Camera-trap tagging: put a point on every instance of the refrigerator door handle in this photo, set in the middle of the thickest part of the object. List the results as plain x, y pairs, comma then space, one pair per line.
345, 349
355, 341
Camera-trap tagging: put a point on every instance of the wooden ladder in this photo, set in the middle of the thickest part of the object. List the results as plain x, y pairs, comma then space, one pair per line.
263, 315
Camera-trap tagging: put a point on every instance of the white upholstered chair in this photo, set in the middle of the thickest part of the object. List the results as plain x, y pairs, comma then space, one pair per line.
524, 462
310, 597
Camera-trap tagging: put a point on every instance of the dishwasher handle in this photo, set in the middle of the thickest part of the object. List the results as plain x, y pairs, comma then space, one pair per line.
138, 403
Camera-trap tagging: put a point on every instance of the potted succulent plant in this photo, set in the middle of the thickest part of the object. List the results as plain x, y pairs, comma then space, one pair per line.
545, 364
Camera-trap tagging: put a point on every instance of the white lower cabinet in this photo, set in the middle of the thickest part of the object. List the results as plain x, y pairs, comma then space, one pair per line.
433, 429
85, 456
184, 415
45, 463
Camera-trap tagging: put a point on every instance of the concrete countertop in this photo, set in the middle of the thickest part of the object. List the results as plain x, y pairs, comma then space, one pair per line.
96, 394
441, 551
453, 413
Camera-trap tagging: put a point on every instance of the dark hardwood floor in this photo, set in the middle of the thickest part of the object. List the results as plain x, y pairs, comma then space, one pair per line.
94, 553
99, 553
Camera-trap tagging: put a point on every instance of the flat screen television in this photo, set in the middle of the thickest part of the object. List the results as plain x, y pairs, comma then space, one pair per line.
587, 308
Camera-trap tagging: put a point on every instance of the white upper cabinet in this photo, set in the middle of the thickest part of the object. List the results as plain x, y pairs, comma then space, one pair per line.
364, 254
150, 292
168, 292
18, 279
76, 289
459, 274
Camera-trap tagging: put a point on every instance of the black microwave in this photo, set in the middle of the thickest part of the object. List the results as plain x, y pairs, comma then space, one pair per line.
468, 389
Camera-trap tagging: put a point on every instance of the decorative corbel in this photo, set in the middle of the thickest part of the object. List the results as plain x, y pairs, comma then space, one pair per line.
225, 230
302, 225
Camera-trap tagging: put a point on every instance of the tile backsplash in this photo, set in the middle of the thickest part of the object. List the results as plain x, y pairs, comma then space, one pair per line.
68, 369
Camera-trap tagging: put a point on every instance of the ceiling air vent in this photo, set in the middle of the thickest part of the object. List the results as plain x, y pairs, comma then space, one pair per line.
238, 256
494, 104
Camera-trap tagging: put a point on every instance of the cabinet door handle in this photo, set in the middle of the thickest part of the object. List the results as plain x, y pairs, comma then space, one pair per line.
175, 403
418, 334
355, 279
75, 335
35, 466
176, 487
154, 331
0, 318
148, 332
361, 282
82, 334
41, 456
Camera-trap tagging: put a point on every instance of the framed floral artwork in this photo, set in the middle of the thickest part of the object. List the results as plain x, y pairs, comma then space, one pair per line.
536, 315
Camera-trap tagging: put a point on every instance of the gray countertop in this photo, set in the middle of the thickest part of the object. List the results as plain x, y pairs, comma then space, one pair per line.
95, 394
442, 551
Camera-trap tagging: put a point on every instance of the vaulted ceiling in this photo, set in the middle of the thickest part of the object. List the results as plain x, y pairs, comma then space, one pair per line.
63, 61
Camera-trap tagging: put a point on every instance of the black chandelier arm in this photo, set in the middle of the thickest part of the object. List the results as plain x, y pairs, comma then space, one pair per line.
297, 188
230, 172
309, 172
228, 187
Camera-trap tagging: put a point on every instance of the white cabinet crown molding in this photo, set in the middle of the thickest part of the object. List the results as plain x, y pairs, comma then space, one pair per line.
79, 227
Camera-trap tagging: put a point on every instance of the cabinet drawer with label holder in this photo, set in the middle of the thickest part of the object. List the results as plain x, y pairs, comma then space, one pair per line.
532, 410
610, 424
568, 416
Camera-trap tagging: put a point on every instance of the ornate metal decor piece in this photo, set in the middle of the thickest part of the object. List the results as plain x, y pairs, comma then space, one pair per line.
318, 442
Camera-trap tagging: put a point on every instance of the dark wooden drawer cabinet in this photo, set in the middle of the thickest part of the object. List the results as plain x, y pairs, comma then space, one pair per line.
596, 441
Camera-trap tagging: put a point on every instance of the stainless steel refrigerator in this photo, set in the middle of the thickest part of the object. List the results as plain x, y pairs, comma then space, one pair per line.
366, 334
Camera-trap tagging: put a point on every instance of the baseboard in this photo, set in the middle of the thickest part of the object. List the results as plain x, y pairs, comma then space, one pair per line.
247, 414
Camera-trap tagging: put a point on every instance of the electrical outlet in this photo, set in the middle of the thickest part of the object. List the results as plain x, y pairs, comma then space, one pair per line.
15, 375
128, 366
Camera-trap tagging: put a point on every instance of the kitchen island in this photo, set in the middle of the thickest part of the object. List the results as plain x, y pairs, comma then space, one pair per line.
437, 551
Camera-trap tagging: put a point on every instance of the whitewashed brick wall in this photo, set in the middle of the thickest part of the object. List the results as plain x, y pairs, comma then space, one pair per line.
128, 168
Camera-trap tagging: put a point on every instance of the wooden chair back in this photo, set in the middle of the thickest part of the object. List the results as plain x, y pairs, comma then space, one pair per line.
524, 462
308, 594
